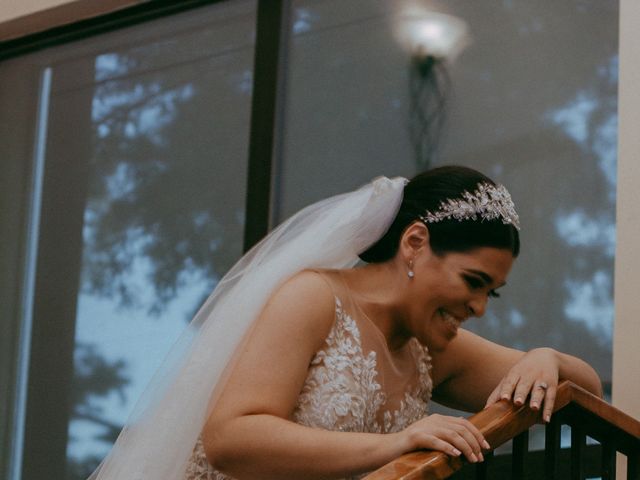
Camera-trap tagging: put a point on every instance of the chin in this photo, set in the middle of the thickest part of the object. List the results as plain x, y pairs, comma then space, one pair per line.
435, 344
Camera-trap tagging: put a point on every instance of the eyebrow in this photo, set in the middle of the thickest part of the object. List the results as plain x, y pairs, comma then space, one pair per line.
485, 276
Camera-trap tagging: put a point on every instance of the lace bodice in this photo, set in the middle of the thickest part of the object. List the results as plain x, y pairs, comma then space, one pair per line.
354, 384
344, 389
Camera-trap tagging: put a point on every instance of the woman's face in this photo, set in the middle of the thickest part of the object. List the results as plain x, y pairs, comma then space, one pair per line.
448, 289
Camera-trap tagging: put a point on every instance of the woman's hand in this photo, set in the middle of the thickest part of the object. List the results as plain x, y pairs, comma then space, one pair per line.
536, 374
451, 435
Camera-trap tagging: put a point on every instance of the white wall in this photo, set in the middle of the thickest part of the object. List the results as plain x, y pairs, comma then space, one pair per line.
626, 354
10, 9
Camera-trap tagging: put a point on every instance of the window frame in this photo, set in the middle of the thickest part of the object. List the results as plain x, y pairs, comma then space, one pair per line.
43, 450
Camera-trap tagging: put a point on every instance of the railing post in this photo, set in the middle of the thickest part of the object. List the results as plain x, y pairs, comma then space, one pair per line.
578, 444
520, 449
608, 461
633, 465
552, 448
481, 468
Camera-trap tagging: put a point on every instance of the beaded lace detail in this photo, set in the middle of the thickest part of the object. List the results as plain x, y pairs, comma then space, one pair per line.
343, 392
199, 467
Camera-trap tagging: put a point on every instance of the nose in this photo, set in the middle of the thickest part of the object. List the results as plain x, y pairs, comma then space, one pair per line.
477, 305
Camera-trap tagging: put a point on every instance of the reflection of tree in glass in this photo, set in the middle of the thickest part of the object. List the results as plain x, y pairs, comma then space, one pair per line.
541, 108
94, 377
194, 229
168, 195
164, 207
591, 121
81, 469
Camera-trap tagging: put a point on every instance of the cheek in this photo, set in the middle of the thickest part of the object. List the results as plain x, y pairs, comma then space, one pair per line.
453, 290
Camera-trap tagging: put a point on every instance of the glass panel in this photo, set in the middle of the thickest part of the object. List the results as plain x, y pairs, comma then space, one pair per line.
532, 102
346, 109
536, 106
159, 115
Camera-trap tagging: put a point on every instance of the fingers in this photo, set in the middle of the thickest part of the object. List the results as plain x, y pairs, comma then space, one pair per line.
461, 443
534, 375
434, 443
461, 434
504, 390
454, 436
493, 397
549, 401
522, 391
538, 393
507, 386
458, 441
477, 435
517, 389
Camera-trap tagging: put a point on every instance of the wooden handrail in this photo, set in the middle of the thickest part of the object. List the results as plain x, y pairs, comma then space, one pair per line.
499, 423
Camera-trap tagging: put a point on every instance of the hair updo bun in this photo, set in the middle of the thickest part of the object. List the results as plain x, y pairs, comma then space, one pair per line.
425, 192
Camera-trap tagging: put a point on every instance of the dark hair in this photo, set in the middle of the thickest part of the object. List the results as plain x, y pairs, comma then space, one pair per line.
424, 193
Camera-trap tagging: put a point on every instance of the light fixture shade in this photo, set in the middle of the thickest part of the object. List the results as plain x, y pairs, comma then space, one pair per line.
431, 34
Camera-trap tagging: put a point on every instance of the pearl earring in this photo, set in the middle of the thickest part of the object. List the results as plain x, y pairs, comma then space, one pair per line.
410, 273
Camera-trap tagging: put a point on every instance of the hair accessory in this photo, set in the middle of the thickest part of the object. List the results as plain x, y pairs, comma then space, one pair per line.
487, 202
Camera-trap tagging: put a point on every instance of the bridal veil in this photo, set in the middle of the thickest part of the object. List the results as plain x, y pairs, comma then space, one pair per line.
161, 433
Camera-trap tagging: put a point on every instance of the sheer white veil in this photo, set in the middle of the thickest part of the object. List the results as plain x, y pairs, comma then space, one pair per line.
158, 439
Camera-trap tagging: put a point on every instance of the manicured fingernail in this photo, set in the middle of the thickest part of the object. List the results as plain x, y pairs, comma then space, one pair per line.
481, 457
505, 396
534, 405
547, 418
486, 445
456, 452
518, 401
474, 459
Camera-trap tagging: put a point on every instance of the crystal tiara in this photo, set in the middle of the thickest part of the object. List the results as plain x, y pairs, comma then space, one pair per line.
487, 202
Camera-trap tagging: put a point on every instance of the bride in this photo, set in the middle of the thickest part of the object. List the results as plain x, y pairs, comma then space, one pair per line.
303, 365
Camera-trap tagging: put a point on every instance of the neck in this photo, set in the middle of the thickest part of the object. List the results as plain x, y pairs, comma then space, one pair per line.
377, 288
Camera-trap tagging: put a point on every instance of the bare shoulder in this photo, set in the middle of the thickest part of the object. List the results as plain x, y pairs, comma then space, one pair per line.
303, 303
290, 329
304, 284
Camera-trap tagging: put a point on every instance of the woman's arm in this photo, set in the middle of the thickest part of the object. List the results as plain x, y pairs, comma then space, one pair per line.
249, 434
266, 446
474, 372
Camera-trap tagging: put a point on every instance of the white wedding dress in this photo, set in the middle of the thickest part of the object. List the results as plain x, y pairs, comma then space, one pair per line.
354, 383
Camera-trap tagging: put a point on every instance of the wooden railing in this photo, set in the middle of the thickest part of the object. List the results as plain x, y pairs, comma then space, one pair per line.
586, 415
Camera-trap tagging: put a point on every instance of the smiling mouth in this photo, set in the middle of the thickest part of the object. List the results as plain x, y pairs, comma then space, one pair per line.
449, 319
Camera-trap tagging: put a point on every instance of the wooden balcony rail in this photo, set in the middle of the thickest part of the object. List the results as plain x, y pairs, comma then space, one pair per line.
586, 415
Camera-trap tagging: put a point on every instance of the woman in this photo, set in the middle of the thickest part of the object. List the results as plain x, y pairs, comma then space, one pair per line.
335, 378
300, 366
